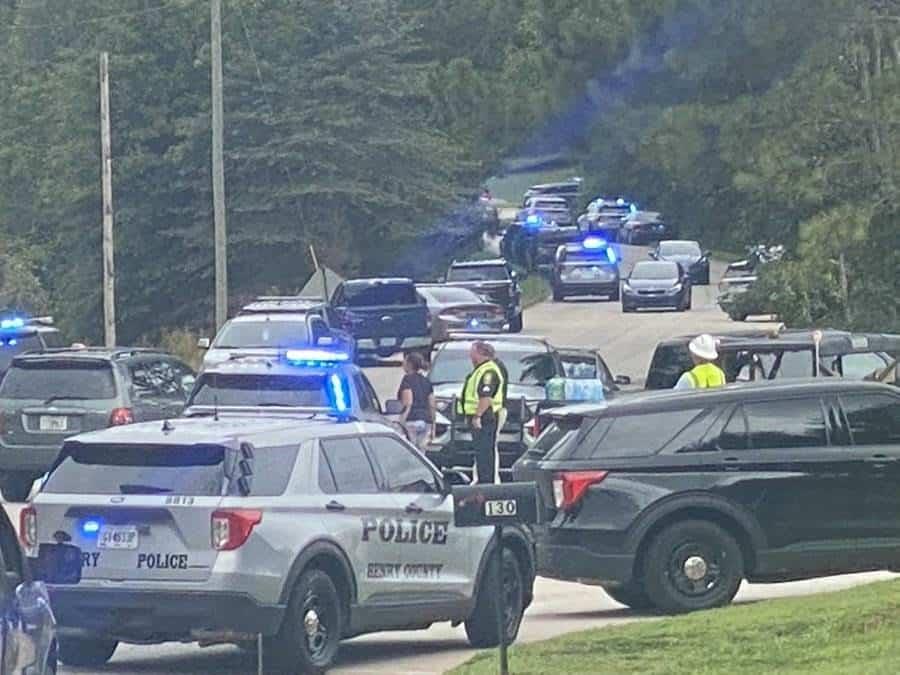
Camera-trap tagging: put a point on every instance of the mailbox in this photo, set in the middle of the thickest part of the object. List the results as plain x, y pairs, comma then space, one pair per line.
489, 504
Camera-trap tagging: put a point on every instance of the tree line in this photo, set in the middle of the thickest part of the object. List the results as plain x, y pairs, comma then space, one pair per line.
357, 125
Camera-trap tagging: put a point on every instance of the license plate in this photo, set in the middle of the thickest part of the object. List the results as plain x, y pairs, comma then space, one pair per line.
53, 423
118, 536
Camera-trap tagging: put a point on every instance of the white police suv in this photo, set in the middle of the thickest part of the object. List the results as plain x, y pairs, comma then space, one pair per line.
303, 531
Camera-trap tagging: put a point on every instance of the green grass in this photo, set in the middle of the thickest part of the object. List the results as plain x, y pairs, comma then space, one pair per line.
511, 187
852, 631
535, 289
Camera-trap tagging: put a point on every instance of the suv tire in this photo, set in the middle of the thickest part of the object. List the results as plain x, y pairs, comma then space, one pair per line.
692, 565
293, 650
631, 595
481, 626
86, 652
16, 486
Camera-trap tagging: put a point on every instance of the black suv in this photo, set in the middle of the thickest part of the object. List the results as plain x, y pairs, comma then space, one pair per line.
49, 396
671, 500
494, 280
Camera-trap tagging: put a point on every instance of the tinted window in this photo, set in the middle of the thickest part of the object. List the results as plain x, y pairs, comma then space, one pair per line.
403, 470
633, 435
377, 294
326, 478
669, 362
873, 419
556, 438
261, 390
59, 379
791, 423
691, 437
655, 270
160, 378
350, 466
12, 345
862, 365
53, 339
261, 334
486, 273
734, 435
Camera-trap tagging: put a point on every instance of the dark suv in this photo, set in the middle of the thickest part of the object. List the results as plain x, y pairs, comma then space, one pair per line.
49, 396
494, 280
671, 500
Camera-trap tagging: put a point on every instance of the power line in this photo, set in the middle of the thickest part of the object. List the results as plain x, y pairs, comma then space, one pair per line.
103, 19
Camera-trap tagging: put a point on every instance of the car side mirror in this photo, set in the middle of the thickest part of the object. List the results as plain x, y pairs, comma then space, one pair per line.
623, 380
514, 275
393, 407
203, 343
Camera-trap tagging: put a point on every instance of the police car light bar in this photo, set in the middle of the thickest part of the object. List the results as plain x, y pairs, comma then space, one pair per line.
593, 243
533, 220
11, 324
340, 398
314, 357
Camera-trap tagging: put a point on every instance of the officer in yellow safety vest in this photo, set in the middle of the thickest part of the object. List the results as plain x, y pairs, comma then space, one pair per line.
481, 401
705, 374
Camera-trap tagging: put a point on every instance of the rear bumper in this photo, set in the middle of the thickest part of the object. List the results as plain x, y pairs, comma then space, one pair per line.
588, 287
159, 616
28, 458
574, 563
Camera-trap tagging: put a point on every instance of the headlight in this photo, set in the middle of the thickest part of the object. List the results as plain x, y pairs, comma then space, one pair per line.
675, 289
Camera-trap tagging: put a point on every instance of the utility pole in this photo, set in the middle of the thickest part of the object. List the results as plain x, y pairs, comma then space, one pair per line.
218, 168
109, 271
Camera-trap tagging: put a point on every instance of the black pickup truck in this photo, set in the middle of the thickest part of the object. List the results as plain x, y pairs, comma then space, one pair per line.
384, 316
494, 280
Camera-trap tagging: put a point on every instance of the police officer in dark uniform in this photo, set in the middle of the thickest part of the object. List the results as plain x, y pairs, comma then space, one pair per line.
481, 402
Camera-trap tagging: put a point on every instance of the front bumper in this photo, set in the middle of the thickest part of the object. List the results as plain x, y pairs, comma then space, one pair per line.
28, 458
635, 300
151, 615
387, 346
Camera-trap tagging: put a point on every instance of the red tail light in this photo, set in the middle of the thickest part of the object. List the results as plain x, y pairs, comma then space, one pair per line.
569, 487
120, 416
230, 529
28, 531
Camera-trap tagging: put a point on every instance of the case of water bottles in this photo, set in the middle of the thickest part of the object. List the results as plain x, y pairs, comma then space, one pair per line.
574, 389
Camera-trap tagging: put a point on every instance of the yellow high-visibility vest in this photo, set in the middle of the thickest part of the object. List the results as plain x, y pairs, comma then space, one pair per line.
467, 404
707, 375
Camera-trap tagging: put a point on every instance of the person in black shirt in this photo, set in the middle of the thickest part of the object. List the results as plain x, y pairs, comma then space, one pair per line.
417, 396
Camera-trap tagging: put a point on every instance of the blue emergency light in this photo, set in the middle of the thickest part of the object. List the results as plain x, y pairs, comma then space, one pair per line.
90, 527
315, 357
611, 256
593, 243
339, 392
620, 201
474, 323
12, 324
533, 220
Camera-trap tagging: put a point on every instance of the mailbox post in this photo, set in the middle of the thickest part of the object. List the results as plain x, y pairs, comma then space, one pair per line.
497, 506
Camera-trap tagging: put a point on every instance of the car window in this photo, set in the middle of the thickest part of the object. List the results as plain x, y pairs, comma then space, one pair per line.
486, 273
53, 339
579, 367
350, 467
301, 391
789, 423
655, 270
403, 470
637, 435
13, 345
692, 437
60, 379
862, 365
874, 419
556, 438
367, 400
669, 362
376, 294
261, 334
734, 435
794, 364
158, 378
317, 328
454, 365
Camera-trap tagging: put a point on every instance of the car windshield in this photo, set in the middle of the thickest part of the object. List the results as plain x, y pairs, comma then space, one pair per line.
262, 334
480, 273
376, 294
57, 379
594, 257
527, 368
668, 248
449, 295
302, 391
655, 270
12, 345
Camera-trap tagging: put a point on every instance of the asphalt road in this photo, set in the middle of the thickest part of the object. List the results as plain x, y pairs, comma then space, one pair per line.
627, 342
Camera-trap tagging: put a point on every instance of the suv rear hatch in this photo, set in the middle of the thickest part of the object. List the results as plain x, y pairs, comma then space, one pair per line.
381, 309
44, 401
138, 512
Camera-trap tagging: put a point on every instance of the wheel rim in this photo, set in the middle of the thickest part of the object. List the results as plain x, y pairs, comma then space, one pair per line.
315, 627
696, 569
512, 598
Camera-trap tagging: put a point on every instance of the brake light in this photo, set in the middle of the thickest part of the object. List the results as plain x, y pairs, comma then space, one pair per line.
230, 529
569, 487
28, 531
120, 416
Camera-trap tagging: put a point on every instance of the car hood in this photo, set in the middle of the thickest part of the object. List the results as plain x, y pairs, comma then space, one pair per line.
514, 391
652, 284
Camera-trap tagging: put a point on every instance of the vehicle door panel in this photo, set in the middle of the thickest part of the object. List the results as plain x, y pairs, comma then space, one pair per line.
362, 518
438, 560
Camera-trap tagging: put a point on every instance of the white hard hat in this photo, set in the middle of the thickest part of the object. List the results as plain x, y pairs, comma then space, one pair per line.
704, 347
